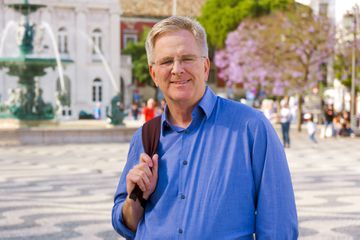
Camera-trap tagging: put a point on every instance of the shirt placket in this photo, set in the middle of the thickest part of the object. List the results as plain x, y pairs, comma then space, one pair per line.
182, 182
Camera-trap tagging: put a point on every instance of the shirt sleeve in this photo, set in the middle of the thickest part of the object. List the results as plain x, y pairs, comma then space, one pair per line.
121, 194
276, 216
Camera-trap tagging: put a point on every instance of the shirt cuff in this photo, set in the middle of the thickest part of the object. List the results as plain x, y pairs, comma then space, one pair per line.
120, 225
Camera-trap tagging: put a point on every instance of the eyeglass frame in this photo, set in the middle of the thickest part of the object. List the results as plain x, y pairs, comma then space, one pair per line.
185, 60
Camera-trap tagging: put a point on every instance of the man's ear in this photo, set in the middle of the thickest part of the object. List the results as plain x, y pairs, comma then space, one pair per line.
152, 74
207, 68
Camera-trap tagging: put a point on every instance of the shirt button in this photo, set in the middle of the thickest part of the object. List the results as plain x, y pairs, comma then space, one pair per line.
185, 162
186, 131
180, 231
182, 196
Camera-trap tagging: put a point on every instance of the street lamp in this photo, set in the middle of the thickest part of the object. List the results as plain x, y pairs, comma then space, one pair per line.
353, 72
354, 17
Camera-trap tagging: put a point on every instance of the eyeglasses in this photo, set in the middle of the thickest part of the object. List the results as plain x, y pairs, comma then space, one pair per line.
184, 61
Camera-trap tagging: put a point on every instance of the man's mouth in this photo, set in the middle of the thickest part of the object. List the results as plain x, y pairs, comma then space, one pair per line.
178, 82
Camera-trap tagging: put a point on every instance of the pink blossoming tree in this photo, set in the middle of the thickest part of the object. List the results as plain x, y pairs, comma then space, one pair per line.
280, 54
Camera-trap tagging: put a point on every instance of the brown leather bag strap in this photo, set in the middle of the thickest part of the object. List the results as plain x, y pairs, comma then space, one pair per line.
150, 138
151, 135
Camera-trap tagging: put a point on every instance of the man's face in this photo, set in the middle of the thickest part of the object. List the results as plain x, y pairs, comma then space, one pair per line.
179, 69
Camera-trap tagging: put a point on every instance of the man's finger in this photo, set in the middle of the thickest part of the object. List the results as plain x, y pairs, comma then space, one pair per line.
146, 159
147, 170
139, 181
155, 160
142, 175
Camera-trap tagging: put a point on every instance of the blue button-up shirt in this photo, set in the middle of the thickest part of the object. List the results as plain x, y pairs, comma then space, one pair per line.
223, 177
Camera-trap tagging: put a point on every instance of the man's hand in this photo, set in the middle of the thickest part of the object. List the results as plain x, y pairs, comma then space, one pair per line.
144, 174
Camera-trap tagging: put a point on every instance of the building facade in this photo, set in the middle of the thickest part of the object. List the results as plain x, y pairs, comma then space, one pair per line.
85, 31
336, 11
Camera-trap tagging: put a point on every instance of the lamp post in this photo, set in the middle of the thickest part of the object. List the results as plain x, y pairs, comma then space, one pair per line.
353, 16
353, 72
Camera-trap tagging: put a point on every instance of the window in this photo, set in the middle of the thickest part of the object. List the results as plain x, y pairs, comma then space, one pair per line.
97, 90
129, 38
96, 37
63, 41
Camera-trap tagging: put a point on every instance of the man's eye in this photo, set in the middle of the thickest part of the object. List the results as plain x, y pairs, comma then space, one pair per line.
188, 60
167, 62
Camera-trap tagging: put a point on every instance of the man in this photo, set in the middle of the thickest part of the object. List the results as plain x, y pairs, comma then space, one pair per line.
220, 171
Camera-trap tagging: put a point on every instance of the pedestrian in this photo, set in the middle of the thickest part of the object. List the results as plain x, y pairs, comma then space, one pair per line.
345, 129
149, 110
311, 126
285, 120
97, 111
329, 114
135, 110
220, 171
161, 108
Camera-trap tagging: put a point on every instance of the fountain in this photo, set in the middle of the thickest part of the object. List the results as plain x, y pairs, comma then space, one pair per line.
116, 109
26, 102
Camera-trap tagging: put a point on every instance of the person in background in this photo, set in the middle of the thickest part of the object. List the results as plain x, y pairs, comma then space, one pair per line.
285, 120
97, 111
311, 126
161, 108
329, 114
345, 129
149, 110
220, 171
135, 110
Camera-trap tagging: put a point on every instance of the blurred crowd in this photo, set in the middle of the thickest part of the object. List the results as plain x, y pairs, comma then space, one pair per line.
148, 109
326, 123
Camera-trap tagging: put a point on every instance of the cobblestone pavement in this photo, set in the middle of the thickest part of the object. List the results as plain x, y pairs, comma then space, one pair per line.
66, 191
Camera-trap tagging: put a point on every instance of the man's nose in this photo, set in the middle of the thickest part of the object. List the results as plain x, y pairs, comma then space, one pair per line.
177, 67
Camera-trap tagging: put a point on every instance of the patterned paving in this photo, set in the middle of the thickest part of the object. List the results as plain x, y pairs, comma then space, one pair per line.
59, 192
65, 191
326, 178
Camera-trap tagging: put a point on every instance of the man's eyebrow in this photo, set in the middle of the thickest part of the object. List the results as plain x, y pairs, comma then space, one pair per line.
165, 59
171, 58
189, 55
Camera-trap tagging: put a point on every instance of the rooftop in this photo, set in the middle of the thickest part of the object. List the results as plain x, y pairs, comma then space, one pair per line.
160, 8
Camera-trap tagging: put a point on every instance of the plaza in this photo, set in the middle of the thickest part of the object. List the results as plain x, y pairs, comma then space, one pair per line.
66, 191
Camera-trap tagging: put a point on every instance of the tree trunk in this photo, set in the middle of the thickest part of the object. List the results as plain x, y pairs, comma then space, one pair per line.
278, 108
299, 112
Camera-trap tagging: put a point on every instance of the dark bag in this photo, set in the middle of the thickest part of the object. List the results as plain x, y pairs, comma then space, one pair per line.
150, 138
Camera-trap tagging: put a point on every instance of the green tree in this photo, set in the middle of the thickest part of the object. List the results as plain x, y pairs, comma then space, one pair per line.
140, 68
343, 58
219, 17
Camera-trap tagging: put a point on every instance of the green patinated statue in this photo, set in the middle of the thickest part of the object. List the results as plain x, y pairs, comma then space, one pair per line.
117, 111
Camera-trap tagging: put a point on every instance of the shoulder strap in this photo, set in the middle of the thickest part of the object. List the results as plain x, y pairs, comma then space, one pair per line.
150, 138
150, 135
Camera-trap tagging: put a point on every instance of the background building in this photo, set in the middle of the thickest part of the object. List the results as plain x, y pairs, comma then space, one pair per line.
85, 31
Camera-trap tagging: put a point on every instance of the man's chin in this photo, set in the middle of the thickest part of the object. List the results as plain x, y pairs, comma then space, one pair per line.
181, 97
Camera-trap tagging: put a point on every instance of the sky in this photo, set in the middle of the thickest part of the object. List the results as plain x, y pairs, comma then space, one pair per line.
341, 6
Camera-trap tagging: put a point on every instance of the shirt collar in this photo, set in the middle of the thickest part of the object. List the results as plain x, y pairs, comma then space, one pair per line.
206, 103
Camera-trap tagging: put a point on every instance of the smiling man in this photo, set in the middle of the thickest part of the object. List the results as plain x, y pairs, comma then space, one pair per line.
220, 172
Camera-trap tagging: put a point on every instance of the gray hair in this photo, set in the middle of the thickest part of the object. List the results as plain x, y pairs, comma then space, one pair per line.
173, 24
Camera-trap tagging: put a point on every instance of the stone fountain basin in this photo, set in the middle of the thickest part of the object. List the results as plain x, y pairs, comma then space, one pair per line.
25, 8
14, 132
31, 66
